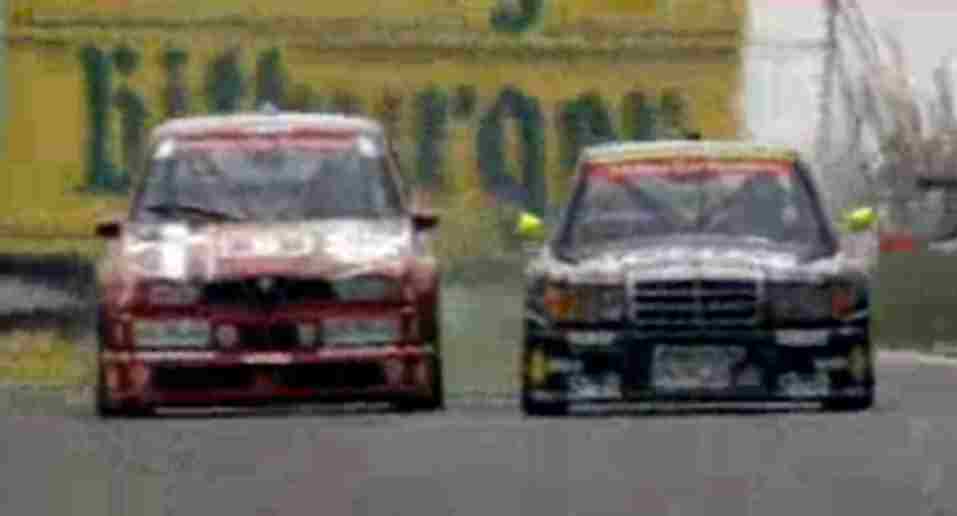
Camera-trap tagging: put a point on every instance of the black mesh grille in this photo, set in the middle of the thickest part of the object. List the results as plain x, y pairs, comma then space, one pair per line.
313, 376
251, 292
332, 376
275, 337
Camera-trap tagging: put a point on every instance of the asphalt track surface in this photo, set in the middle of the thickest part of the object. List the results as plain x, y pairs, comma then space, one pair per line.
484, 458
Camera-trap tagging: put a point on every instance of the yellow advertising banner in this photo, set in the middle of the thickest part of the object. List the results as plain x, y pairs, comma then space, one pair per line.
482, 118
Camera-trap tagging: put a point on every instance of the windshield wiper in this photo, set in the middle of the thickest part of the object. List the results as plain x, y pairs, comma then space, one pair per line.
189, 209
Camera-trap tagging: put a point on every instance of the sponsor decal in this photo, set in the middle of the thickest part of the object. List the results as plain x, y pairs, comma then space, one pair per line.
281, 245
798, 385
590, 338
295, 244
802, 338
694, 367
831, 364
858, 363
670, 406
564, 366
677, 167
267, 359
537, 368
588, 387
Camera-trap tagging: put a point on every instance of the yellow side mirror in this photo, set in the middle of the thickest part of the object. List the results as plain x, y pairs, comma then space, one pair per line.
530, 227
861, 219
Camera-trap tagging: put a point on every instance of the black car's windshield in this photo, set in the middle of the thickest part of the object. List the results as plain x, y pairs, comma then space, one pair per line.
758, 201
266, 179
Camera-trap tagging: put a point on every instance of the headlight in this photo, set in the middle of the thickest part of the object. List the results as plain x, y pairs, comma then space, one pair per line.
342, 331
584, 303
171, 293
368, 288
803, 302
171, 333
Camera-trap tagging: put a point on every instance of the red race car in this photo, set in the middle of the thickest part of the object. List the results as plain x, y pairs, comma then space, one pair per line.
268, 257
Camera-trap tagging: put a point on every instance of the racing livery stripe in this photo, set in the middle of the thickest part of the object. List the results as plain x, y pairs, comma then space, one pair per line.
679, 166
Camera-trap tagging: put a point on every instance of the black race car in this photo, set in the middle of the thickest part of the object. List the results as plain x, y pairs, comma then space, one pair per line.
702, 272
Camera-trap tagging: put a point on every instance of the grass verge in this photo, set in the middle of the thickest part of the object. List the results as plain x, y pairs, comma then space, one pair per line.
45, 359
88, 248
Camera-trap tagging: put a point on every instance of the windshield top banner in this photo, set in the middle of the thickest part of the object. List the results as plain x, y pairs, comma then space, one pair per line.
689, 169
266, 143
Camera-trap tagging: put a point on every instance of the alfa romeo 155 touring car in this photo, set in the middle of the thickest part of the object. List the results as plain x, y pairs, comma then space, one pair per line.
268, 257
703, 272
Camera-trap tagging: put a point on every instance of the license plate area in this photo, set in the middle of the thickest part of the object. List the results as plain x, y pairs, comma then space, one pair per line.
694, 368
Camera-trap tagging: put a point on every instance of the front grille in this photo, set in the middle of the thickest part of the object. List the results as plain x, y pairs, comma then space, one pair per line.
276, 337
191, 379
702, 302
332, 376
251, 292
313, 376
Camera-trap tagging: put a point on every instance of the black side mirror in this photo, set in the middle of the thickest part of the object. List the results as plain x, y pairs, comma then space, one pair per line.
423, 221
109, 229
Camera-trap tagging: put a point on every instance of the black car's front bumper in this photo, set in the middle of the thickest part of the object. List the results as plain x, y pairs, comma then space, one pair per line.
609, 365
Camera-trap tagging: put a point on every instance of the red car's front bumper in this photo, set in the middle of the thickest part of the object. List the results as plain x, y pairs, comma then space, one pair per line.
183, 378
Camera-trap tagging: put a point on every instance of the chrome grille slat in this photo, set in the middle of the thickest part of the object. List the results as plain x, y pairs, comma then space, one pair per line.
703, 302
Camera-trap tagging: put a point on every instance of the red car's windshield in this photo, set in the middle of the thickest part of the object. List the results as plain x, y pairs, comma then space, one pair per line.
621, 202
267, 179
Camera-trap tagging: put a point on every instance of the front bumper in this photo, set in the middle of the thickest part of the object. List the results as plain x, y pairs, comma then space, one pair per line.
608, 366
190, 378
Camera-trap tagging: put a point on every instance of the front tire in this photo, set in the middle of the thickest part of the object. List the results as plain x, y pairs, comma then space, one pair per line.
534, 408
107, 410
850, 404
433, 403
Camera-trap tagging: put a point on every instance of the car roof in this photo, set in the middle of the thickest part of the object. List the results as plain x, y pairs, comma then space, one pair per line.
705, 149
257, 123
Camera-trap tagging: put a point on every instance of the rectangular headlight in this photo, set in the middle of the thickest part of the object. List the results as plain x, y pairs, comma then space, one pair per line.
163, 333
368, 288
584, 303
800, 302
345, 331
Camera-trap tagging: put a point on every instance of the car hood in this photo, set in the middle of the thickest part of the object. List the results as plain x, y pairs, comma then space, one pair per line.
691, 259
327, 249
